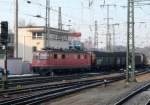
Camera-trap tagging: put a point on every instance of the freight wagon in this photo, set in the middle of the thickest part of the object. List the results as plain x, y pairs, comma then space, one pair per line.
114, 60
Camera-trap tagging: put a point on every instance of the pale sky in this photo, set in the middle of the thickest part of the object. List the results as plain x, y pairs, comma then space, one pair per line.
82, 17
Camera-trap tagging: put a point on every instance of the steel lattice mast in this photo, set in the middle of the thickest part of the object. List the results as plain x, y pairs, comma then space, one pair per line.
130, 58
96, 36
59, 19
16, 29
47, 23
108, 34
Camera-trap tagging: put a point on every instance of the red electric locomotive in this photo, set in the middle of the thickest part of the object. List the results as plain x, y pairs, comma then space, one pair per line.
60, 61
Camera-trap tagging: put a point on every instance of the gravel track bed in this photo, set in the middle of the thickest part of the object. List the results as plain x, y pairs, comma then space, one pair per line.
100, 95
7, 96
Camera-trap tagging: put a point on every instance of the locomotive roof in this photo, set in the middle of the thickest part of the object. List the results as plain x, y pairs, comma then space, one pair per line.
64, 51
81, 51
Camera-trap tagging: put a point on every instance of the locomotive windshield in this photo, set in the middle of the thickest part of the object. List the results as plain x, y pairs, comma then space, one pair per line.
43, 56
40, 55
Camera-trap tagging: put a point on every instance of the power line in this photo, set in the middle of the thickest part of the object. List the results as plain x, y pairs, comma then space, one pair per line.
108, 35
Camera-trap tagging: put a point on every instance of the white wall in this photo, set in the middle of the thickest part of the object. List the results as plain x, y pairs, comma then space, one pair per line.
26, 43
13, 65
16, 66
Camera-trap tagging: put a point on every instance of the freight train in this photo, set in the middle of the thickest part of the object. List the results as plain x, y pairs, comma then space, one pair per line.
71, 61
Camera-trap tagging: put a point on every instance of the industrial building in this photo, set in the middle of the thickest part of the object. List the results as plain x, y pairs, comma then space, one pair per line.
32, 38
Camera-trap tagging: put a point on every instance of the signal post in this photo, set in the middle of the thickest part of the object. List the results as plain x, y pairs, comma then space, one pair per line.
4, 41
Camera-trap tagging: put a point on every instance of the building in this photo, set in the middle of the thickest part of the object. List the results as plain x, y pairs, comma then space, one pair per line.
32, 38
75, 40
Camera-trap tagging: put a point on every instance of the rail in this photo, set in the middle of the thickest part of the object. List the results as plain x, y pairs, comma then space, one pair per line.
133, 93
57, 91
48, 92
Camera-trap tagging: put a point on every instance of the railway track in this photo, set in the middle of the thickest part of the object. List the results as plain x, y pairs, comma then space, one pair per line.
36, 80
39, 94
50, 92
13, 82
137, 96
148, 103
50, 86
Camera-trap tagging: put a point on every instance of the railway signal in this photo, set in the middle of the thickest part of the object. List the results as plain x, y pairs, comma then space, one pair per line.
4, 32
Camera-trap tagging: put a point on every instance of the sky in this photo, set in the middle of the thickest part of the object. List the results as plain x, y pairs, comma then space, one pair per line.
82, 17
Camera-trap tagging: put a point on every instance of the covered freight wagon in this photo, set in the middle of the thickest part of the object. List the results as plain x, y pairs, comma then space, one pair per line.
113, 60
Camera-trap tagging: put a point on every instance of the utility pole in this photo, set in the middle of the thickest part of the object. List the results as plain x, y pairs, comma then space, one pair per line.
47, 19
16, 29
108, 34
113, 37
48, 6
96, 36
130, 54
113, 26
59, 19
69, 25
48, 12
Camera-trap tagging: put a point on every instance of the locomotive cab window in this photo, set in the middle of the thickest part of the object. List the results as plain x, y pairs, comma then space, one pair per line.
35, 56
55, 56
78, 56
43, 56
85, 56
63, 56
